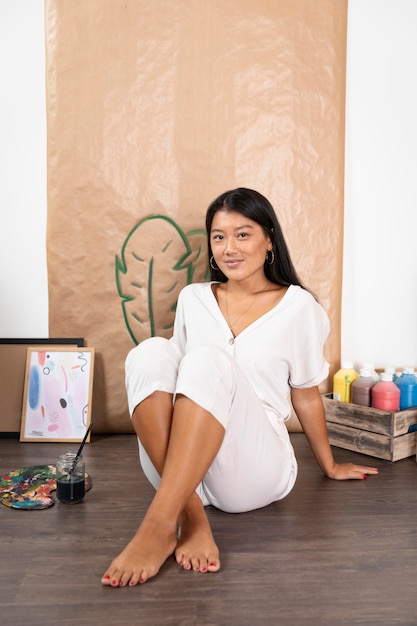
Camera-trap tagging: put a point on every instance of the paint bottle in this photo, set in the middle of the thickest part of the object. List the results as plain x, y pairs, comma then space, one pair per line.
342, 382
407, 384
390, 369
374, 373
386, 394
362, 387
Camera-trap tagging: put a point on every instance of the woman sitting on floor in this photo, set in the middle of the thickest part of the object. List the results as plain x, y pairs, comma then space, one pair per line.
209, 405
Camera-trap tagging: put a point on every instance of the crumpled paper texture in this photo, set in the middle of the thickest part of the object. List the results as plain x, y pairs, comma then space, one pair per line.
153, 110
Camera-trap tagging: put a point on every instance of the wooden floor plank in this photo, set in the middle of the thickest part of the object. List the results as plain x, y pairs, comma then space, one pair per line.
330, 553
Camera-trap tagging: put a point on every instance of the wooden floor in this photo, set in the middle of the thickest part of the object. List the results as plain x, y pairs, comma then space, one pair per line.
330, 553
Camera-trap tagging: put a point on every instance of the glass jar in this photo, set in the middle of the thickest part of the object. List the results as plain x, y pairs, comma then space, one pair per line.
70, 478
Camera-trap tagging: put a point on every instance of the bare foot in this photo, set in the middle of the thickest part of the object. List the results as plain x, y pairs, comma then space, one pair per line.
143, 556
196, 548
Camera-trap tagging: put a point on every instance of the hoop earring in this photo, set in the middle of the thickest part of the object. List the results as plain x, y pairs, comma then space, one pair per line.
213, 267
270, 262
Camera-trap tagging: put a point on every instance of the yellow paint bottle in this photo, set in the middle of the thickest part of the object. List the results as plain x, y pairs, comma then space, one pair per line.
342, 382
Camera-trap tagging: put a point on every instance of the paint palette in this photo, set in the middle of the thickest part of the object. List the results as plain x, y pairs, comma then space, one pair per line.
31, 487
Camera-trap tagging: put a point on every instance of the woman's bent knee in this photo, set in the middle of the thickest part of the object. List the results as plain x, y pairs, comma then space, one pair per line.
151, 366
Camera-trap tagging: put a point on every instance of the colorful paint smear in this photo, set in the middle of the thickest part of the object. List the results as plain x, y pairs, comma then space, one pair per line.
31, 487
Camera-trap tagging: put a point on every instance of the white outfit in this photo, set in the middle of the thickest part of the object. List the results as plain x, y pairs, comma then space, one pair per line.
244, 382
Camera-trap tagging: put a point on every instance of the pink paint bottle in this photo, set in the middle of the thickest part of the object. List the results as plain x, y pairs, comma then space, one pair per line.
386, 394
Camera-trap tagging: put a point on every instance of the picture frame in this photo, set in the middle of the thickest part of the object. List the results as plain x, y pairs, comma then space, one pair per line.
13, 353
57, 398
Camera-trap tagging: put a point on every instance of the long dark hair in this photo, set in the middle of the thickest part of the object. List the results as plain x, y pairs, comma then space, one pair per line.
257, 208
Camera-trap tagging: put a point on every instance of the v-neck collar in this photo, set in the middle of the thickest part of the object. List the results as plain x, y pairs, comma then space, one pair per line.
252, 324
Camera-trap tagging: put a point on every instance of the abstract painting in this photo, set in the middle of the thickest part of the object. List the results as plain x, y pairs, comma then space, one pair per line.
57, 394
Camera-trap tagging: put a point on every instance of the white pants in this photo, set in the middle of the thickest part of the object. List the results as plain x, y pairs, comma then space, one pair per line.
255, 464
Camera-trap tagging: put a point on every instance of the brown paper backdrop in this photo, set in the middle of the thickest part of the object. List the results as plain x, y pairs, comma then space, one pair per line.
155, 108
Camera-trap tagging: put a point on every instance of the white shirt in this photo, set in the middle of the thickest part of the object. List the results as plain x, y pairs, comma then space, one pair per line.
280, 350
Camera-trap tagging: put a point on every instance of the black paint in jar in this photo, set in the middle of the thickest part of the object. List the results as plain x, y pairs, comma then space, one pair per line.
70, 478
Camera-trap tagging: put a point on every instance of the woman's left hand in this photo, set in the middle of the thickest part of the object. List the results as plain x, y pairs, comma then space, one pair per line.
348, 471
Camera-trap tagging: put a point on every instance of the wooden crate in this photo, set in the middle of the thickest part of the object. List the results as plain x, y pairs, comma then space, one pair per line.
370, 431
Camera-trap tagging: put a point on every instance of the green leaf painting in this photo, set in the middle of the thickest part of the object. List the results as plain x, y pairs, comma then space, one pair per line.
156, 261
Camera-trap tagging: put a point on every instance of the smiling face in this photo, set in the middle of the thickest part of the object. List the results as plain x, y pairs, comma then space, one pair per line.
239, 245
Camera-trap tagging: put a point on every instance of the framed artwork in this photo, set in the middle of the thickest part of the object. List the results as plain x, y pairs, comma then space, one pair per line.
13, 353
57, 394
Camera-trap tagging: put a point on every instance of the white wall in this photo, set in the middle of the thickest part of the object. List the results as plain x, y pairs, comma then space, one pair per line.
380, 264
380, 279
23, 278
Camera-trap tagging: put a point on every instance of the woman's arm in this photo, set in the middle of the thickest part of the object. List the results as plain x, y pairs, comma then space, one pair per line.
309, 408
